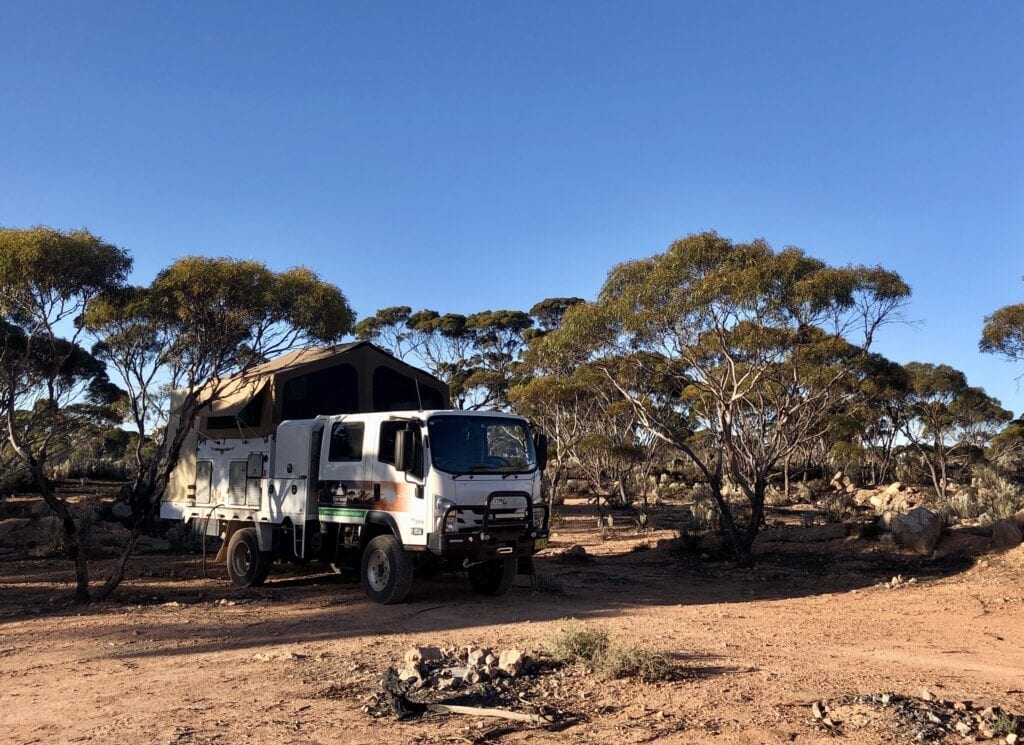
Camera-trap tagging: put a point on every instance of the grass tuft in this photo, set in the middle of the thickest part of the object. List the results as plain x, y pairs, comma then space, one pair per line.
579, 643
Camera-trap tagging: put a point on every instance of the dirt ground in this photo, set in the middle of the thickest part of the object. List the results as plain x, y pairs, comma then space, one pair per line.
178, 658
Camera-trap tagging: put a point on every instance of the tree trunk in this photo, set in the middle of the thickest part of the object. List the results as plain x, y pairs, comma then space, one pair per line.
785, 478
117, 571
71, 534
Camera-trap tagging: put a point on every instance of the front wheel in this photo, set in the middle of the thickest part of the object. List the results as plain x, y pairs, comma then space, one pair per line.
494, 577
247, 565
386, 571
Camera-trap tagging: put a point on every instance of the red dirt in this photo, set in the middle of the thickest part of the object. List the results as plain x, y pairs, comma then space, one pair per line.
169, 662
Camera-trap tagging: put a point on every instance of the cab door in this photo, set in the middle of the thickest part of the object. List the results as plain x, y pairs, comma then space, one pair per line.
343, 480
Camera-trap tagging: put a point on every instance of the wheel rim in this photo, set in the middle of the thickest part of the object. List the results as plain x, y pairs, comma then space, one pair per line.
243, 559
378, 571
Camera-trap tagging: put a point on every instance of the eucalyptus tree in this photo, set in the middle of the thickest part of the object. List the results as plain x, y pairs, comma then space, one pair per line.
446, 346
748, 344
388, 328
948, 421
1003, 333
47, 279
201, 322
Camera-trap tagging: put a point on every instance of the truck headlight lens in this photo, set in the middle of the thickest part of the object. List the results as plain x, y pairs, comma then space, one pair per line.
441, 506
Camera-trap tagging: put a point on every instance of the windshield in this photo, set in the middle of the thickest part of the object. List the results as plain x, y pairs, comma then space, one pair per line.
476, 444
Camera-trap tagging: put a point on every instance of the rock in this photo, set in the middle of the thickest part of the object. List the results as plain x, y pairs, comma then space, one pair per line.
894, 488
880, 502
422, 654
863, 497
472, 677
963, 728
411, 672
839, 482
1018, 519
1005, 534
121, 511
1011, 738
476, 657
576, 554
513, 662
918, 530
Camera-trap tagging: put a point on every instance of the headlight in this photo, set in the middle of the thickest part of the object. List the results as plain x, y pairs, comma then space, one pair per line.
538, 518
441, 506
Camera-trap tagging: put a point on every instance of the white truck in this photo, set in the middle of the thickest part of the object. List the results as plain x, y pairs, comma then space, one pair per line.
383, 493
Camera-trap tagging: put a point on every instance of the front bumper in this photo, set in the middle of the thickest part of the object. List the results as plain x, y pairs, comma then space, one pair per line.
496, 538
480, 546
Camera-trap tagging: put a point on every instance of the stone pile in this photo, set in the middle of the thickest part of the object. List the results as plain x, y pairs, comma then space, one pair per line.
454, 668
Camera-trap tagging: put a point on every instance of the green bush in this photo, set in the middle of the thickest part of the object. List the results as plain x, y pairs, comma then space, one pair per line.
633, 662
578, 643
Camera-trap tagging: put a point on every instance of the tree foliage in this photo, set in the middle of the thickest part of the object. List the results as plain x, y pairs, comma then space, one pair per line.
947, 420
201, 321
749, 344
1003, 333
47, 279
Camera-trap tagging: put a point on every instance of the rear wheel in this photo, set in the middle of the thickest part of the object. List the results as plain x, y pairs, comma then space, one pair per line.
385, 570
247, 565
494, 577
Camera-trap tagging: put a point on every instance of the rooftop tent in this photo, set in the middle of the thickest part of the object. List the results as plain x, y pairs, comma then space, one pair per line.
343, 379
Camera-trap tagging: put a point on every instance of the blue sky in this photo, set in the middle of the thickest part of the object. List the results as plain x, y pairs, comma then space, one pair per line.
463, 156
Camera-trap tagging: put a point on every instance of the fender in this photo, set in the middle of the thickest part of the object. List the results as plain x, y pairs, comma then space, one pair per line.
379, 517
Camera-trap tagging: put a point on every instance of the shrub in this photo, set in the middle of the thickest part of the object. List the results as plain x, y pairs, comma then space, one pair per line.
1005, 725
837, 506
992, 495
578, 643
633, 662
775, 497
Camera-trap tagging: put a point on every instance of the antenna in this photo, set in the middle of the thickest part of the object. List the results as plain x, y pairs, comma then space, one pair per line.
419, 398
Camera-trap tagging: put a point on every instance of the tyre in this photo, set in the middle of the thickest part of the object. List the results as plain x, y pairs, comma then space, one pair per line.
385, 570
494, 577
247, 565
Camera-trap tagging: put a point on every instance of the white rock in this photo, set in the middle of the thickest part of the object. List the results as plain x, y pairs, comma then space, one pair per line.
918, 530
513, 662
422, 654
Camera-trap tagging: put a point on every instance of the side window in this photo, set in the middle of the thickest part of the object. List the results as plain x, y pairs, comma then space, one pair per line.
386, 451
347, 442
388, 433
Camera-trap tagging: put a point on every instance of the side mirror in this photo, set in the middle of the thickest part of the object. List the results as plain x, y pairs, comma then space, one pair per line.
403, 450
541, 444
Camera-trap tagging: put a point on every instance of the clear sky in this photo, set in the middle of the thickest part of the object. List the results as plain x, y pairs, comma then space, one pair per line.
474, 155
